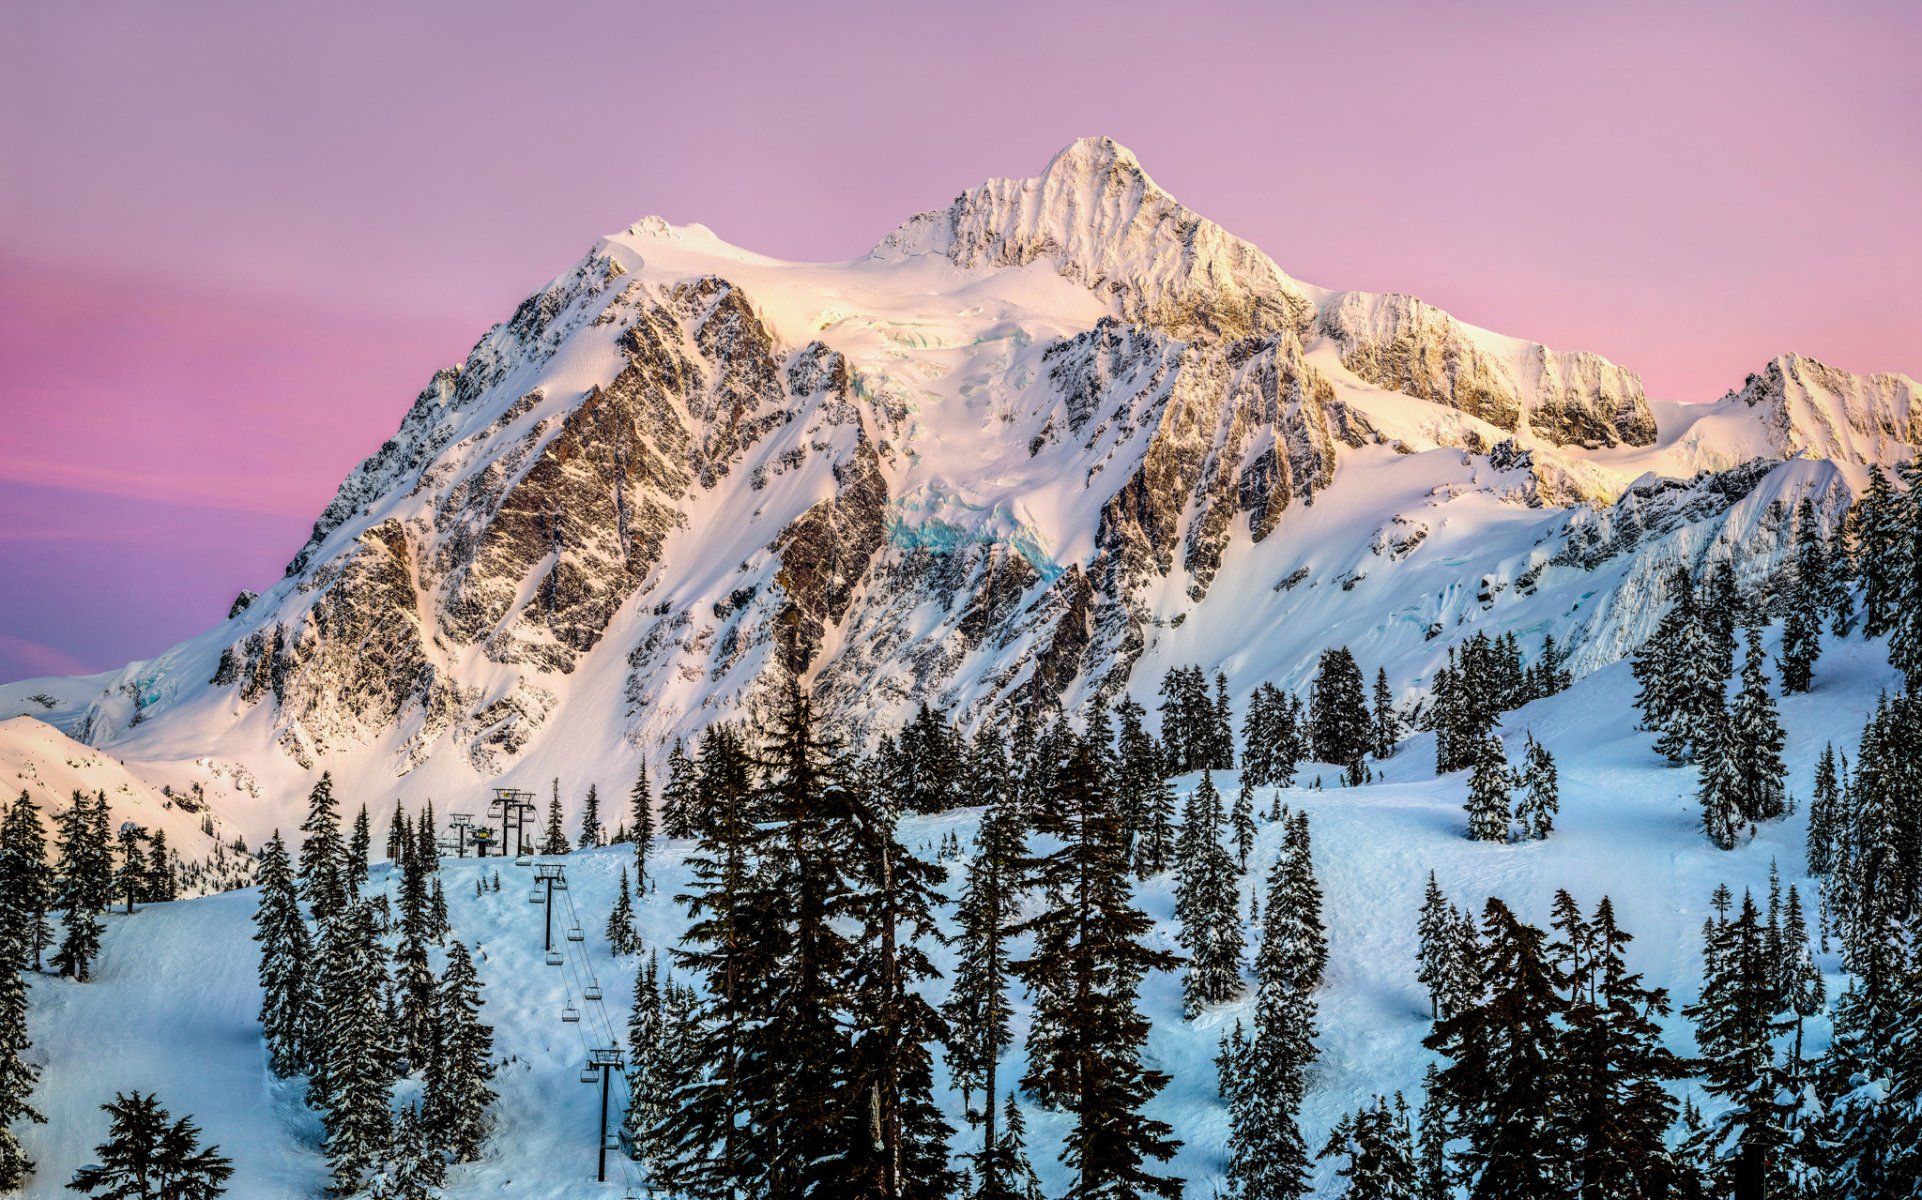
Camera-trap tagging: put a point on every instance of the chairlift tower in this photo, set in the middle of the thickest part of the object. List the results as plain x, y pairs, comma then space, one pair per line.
514, 807
553, 875
605, 1060
460, 821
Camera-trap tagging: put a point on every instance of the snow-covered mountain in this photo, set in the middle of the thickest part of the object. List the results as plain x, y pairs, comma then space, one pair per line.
1037, 446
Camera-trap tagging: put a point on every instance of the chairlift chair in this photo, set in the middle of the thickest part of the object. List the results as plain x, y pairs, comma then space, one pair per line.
571, 1015
523, 860
574, 934
536, 897
590, 1075
591, 992
554, 958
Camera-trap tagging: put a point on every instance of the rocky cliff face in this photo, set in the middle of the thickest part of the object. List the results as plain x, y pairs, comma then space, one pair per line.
1035, 448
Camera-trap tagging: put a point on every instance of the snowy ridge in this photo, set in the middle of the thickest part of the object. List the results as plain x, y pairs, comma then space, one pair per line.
1036, 447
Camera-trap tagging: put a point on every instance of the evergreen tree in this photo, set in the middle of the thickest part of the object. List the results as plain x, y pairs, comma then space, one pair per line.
1540, 800
642, 801
415, 1168
1088, 962
1799, 980
1720, 791
591, 820
1613, 1114
323, 877
17, 1076
1338, 720
1802, 620
1012, 1173
1488, 793
131, 880
1241, 821
27, 885
1434, 941
1905, 578
892, 903
161, 886
1209, 906
455, 1089
977, 1007
679, 798
1433, 1179
285, 954
1500, 1084
1878, 534
147, 1154
354, 1085
1143, 794
84, 879
400, 836
622, 940
1755, 742
554, 839
359, 848
1824, 811
1379, 1152
1387, 720
1221, 741
1735, 1027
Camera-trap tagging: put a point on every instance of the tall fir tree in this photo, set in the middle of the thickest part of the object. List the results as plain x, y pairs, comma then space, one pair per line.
1379, 1152
1387, 721
1210, 907
554, 837
286, 953
1087, 965
1540, 799
130, 881
1489, 788
679, 796
149, 1154
354, 1092
360, 848
591, 833
455, 1087
641, 802
83, 876
1756, 740
1338, 720
17, 1075
324, 878
622, 940
978, 1009
27, 884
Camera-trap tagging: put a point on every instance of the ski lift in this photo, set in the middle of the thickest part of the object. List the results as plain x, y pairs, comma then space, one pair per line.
560, 883
611, 1140
590, 1075
553, 958
574, 934
592, 991
536, 897
571, 1015
523, 860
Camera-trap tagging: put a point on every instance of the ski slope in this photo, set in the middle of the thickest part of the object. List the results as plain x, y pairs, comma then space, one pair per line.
172, 1007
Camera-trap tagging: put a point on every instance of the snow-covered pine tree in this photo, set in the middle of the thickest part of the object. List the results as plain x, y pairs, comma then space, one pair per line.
1268, 1159
27, 884
1434, 940
1824, 808
161, 886
1756, 740
354, 1095
679, 802
1720, 791
622, 940
1013, 1174
1221, 728
1201, 822
1905, 578
1874, 519
977, 1009
1210, 904
1489, 788
413, 978
1500, 1081
148, 1154
286, 953
1433, 1179
324, 880
1735, 1027
1143, 793
1803, 601
1799, 980
1095, 940
554, 836
1613, 1113
1540, 801
416, 1168
1338, 721
455, 1090
360, 847
649, 1087
400, 836
438, 926
83, 875
641, 802
17, 1076
591, 819
1241, 822
1378, 1150
1387, 721
892, 902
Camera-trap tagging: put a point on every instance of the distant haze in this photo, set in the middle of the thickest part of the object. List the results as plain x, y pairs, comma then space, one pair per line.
235, 240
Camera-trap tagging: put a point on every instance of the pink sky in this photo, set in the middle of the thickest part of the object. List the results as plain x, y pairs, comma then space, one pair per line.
235, 239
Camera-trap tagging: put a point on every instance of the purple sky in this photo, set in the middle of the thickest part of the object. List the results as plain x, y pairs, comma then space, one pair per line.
235, 240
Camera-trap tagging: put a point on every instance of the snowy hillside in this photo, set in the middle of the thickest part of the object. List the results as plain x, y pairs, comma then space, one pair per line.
1035, 447
174, 998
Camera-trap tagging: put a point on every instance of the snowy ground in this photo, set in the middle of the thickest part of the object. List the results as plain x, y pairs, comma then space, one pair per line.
173, 1004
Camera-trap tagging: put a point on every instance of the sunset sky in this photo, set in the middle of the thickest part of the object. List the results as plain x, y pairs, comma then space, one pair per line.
235, 240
